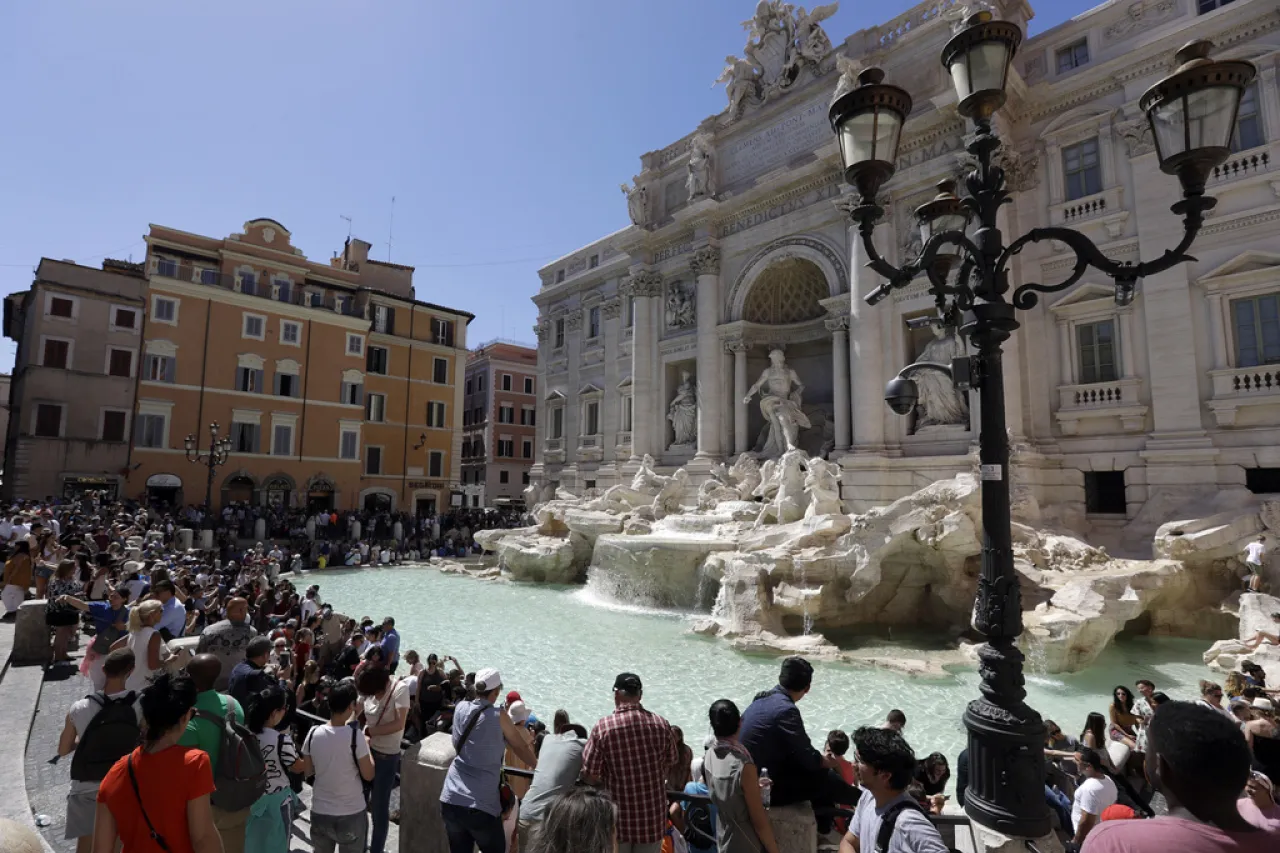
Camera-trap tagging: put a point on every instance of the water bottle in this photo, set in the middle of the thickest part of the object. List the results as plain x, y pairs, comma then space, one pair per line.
766, 786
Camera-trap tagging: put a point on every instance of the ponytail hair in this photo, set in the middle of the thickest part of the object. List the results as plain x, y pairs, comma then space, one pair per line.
141, 610
263, 705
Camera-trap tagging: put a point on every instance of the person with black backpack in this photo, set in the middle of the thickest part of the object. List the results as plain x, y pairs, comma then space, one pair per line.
887, 818
101, 728
339, 757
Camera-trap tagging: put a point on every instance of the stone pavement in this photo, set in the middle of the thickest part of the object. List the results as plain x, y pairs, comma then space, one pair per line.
47, 784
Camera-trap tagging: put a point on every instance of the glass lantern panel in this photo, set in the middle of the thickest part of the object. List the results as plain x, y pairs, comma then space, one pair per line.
982, 67
1202, 119
870, 136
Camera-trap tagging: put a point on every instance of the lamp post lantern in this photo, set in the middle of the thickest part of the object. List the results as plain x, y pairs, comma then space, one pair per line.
1192, 113
216, 455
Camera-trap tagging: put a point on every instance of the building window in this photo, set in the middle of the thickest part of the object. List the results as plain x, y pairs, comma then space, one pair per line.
287, 385
1104, 492
477, 415
506, 382
440, 371
503, 476
524, 478
149, 430
349, 445
249, 283
384, 319
592, 420
377, 360
248, 379
480, 383
57, 353
164, 310
559, 276
593, 262
160, 368
355, 344
1257, 322
1081, 169
466, 415
375, 408
435, 414
1248, 132
124, 318
629, 312
1204, 7
625, 420
372, 459
506, 448
1262, 481
48, 420
1096, 343
528, 385
1073, 56
526, 416
290, 332
283, 290
526, 449
559, 332
282, 440
442, 332
208, 276
254, 327
245, 438
435, 463
469, 386
352, 393
506, 414
119, 362
167, 267
557, 422
113, 421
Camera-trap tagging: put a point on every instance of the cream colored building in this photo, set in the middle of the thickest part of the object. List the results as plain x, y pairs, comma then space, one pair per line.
1119, 415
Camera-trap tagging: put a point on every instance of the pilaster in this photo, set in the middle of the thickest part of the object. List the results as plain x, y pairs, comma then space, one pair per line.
645, 286
705, 264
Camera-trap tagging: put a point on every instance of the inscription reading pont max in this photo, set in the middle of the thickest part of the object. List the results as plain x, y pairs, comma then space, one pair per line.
799, 132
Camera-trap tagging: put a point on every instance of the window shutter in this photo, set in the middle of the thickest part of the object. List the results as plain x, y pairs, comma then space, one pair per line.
391, 320
259, 378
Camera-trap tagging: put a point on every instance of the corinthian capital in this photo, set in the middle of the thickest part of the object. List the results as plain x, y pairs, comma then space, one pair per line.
644, 283
837, 324
705, 261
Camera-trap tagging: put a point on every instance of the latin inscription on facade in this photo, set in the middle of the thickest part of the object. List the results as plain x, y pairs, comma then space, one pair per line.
800, 131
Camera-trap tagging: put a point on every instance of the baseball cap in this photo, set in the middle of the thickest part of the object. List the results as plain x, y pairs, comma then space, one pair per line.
513, 696
519, 712
627, 682
488, 679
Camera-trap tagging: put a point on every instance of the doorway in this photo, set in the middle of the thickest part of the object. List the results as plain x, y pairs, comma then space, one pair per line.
425, 506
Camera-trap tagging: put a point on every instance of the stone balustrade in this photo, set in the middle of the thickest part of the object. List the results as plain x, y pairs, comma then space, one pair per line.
1241, 165
1240, 388
1117, 399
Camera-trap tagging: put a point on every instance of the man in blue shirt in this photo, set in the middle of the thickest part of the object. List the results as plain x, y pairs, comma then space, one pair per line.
174, 617
390, 643
773, 732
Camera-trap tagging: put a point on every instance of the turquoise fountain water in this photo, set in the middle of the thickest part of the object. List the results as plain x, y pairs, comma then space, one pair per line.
562, 647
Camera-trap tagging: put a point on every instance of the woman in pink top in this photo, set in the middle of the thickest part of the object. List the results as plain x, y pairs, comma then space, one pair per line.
1199, 761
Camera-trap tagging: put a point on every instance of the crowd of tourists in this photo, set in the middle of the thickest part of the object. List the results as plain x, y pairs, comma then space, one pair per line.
205, 745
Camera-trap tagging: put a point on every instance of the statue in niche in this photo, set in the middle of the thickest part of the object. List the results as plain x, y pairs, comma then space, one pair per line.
637, 202
682, 312
780, 403
940, 404
683, 412
701, 180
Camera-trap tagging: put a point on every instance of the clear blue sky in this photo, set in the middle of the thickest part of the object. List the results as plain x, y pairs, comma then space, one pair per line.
502, 128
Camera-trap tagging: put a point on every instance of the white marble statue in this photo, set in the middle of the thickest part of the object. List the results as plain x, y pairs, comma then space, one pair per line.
812, 43
741, 79
849, 69
745, 475
780, 404
771, 35
668, 498
789, 502
637, 202
644, 485
940, 404
683, 412
701, 180
822, 487
682, 311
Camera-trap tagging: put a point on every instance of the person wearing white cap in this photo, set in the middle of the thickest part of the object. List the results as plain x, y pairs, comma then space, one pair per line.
469, 801
519, 713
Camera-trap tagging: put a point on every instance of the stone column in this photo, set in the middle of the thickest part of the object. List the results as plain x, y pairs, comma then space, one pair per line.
1127, 367
644, 285
706, 266
739, 350
1218, 331
1068, 353
839, 327
866, 347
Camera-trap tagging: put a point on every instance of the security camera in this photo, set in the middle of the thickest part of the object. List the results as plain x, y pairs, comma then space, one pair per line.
901, 395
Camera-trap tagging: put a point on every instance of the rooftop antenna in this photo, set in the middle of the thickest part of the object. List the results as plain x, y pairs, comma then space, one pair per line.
348, 218
391, 227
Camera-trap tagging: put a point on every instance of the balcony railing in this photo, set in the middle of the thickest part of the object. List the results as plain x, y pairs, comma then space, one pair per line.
1242, 165
1118, 398
1247, 381
1237, 389
624, 439
589, 441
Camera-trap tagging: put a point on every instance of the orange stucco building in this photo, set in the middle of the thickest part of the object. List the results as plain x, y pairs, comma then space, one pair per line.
335, 385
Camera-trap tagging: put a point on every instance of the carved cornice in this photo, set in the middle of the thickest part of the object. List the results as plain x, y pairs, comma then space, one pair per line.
705, 261
736, 345
1245, 221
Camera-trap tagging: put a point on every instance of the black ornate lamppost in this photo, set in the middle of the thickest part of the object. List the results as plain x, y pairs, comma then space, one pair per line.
219, 450
1192, 113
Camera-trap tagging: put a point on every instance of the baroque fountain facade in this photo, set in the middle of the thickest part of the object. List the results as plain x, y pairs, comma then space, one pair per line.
711, 433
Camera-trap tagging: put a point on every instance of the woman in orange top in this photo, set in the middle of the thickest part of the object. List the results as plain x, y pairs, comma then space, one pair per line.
173, 783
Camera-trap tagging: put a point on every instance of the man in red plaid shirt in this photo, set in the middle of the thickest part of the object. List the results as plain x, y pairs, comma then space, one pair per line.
630, 752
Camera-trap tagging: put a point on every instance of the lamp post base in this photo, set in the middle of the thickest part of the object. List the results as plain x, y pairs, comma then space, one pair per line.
1006, 749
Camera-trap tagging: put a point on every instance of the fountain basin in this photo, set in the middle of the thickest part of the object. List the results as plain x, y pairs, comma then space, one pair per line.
655, 570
